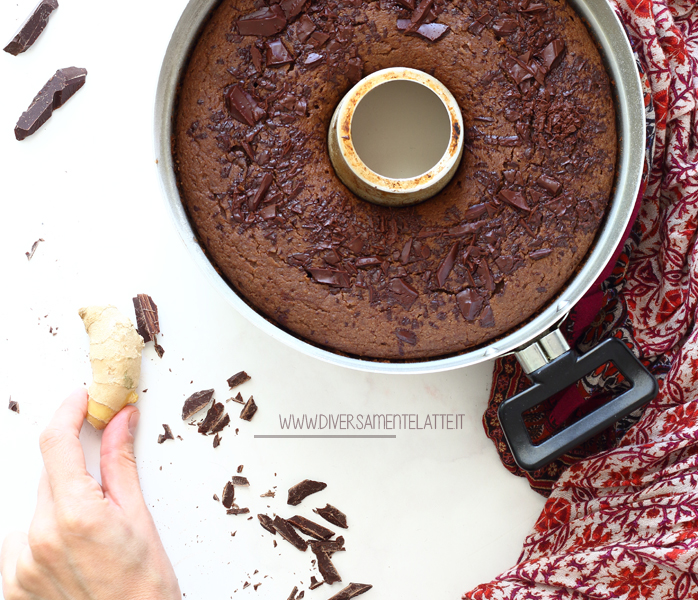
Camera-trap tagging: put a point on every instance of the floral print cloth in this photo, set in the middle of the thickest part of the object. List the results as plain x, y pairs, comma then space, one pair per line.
623, 523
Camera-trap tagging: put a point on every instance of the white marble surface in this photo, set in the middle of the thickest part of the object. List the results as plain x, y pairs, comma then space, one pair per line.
431, 513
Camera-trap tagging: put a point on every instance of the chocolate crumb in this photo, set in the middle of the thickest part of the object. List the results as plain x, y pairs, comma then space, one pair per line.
268, 494
249, 410
240, 468
195, 403
314, 583
310, 528
238, 379
351, 591
237, 480
159, 350
167, 435
301, 595
35, 245
246, 585
275, 544
216, 498
332, 515
267, 522
289, 534
32, 28
302, 490
216, 441
14, 406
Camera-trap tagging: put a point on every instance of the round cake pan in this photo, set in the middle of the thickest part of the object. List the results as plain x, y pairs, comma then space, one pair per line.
620, 63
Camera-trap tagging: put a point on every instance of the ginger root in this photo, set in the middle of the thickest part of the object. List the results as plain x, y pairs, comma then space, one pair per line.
115, 356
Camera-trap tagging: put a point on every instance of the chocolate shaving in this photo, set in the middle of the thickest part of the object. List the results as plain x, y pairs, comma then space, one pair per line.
310, 528
237, 511
294, 591
324, 565
351, 591
228, 494
238, 379
35, 245
195, 403
243, 106
268, 494
289, 534
214, 414
267, 522
302, 490
241, 481
57, 91
420, 14
14, 406
165, 436
314, 583
32, 28
248, 410
266, 21
147, 323
332, 515
216, 441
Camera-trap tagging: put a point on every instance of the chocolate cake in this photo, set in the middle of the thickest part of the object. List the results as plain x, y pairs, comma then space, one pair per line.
476, 260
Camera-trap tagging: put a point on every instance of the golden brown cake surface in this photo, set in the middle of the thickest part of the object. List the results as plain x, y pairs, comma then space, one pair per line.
482, 256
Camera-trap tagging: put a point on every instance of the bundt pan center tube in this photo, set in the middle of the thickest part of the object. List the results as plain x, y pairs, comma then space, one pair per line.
537, 342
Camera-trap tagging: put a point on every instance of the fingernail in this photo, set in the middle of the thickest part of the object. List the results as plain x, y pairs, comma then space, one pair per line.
133, 421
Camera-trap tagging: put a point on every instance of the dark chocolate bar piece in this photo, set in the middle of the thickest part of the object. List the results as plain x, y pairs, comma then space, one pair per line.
329, 547
53, 95
147, 323
238, 379
267, 522
289, 534
303, 489
310, 528
165, 436
239, 480
325, 566
248, 410
219, 425
351, 591
14, 406
32, 28
228, 494
332, 515
195, 403
213, 416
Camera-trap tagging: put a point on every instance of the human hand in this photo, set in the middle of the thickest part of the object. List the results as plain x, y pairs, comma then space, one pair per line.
86, 541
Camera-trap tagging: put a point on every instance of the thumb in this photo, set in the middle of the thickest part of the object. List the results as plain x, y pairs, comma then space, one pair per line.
117, 462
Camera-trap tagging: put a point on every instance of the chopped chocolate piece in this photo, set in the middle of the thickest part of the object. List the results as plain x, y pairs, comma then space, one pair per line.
289, 534
514, 198
314, 583
431, 31
319, 38
551, 54
238, 399
267, 180
243, 106
248, 410
267, 522
420, 14
407, 336
241, 481
214, 414
302, 490
541, 253
159, 350
216, 498
14, 406
407, 3
470, 303
310, 528
277, 53
246, 585
312, 59
325, 566
351, 591
228, 494
217, 441
257, 58
329, 546
266, 21
165, 436
221, 424
147, 323
294, 591
237, 511
332, 515
268, 494
292, 8
446, 266
301, 595
195, 403
240, 468
35, 245
305, 28
57, 91
32, 28
505, 26
548, 183
355, 69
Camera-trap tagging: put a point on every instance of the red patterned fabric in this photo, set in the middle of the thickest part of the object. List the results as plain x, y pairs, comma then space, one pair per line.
623, 523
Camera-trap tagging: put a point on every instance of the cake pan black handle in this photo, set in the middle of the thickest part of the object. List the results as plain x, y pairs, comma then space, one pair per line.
554, 377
